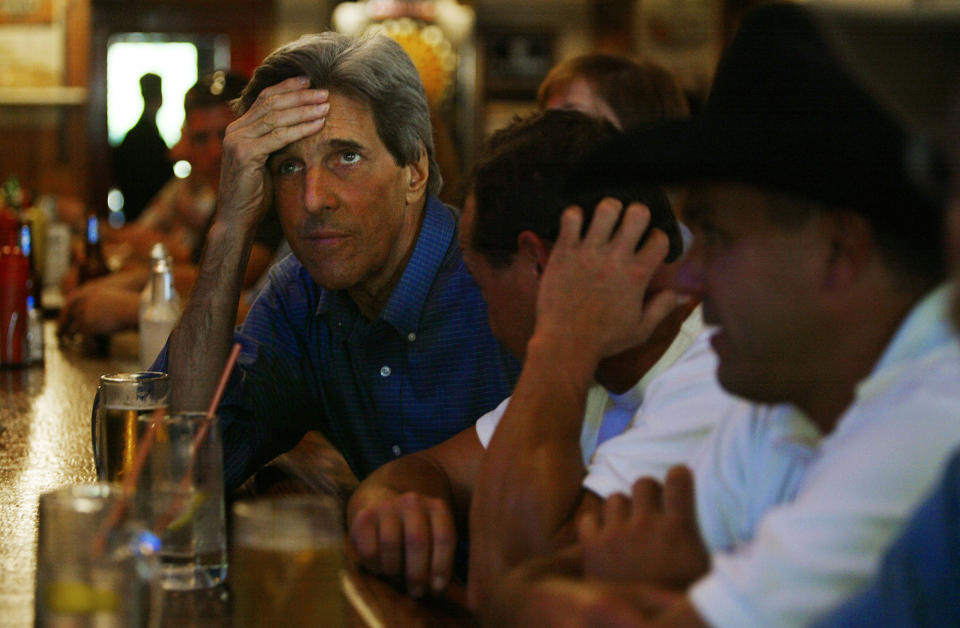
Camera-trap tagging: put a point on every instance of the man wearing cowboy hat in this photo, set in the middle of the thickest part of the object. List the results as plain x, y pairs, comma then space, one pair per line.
817, 213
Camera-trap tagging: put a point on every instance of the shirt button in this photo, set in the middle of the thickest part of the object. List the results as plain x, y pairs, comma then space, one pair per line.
411, 336
396, 450
384, 371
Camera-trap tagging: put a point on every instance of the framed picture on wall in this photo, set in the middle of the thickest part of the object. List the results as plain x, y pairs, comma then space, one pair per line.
26, 11
32, 43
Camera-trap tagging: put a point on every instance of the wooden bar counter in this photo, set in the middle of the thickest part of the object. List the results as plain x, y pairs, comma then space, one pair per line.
45, 443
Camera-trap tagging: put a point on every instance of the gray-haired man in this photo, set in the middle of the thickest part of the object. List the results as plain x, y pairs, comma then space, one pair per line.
372, 332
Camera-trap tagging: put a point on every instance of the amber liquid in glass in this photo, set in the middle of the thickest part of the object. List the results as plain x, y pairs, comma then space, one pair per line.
273, 586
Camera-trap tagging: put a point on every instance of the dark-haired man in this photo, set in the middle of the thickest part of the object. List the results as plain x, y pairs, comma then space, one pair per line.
406, 517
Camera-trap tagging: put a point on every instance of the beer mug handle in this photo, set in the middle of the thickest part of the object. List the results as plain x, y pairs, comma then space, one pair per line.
95, 428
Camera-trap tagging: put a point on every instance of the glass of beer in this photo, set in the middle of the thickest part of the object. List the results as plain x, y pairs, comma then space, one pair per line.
287, 560
90, 573
121, 400
179, 493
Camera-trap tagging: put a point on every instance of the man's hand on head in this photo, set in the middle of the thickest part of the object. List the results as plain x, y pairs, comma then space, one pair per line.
593, 288
409, 537
652, 538
282, 114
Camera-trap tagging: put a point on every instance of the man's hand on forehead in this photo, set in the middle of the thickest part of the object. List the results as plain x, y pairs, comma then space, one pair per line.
281, 115
593, 287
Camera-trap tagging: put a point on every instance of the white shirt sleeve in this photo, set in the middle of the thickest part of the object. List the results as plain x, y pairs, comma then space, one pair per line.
487, 424
809, 554
755, 459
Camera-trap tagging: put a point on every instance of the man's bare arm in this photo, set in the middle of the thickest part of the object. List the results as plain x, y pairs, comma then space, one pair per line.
552, 590
590, 305
405, 517
199, 345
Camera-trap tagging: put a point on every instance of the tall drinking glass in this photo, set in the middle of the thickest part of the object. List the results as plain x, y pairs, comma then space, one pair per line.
287, 558
122, 399
91, 574
180, 494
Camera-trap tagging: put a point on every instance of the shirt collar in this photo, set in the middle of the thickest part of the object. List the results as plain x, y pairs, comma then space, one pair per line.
405, 304
926, 328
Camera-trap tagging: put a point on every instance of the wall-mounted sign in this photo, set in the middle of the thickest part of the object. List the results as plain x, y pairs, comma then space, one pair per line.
26, 11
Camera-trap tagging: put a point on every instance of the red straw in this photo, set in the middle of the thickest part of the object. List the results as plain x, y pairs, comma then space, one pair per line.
198, 439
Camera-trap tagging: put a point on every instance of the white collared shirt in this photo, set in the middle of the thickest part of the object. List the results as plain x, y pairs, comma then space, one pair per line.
863, 480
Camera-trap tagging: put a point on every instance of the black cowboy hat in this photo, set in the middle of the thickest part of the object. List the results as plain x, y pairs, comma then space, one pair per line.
836, 105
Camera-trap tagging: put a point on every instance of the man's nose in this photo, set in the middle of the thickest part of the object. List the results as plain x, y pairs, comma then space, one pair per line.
319, 193
689, 276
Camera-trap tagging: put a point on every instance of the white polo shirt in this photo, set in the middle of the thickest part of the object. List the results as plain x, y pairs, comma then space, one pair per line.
862, 481
607, 414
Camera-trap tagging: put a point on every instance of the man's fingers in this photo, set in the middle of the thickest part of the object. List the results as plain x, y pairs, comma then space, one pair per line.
647, 496
571, 221
615, 509
654, 250
417, 542
390, 543
655, 310
363, 536
678, 493
444, 533
292, 90
636, 218
282, 118
588, 527
605, 217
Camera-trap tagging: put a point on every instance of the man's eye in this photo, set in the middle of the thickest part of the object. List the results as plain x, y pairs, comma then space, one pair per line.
289, 167
349, 157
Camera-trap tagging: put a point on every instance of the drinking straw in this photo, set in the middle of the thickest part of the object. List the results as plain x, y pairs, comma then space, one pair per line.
202, 431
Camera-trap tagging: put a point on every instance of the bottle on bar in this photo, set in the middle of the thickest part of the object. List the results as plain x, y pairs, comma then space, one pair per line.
162, 309
94, 266
34, 329
14, 271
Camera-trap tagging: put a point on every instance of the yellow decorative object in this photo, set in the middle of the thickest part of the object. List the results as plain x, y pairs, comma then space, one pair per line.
430, 51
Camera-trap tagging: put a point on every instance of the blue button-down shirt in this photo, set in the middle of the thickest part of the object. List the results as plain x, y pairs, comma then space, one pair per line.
421, 372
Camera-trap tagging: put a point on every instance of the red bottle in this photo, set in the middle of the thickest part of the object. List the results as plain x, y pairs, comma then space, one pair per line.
9, 226
14, 276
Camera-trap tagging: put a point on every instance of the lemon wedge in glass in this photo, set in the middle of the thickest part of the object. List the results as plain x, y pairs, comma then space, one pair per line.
69, 596
196, 500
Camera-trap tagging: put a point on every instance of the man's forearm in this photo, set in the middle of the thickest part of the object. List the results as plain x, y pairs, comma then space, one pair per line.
528, 488
200, 343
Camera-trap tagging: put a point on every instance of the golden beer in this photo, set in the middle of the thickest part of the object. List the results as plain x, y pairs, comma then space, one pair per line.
122, 398
120, 430
273, 586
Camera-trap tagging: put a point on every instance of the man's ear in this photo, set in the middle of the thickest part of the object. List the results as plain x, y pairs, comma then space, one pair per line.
533, 250
851, 248
418, 174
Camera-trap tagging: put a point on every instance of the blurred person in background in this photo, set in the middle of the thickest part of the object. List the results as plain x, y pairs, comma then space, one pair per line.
626, 92
140, 162
179, 217
629, 93
180, 213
